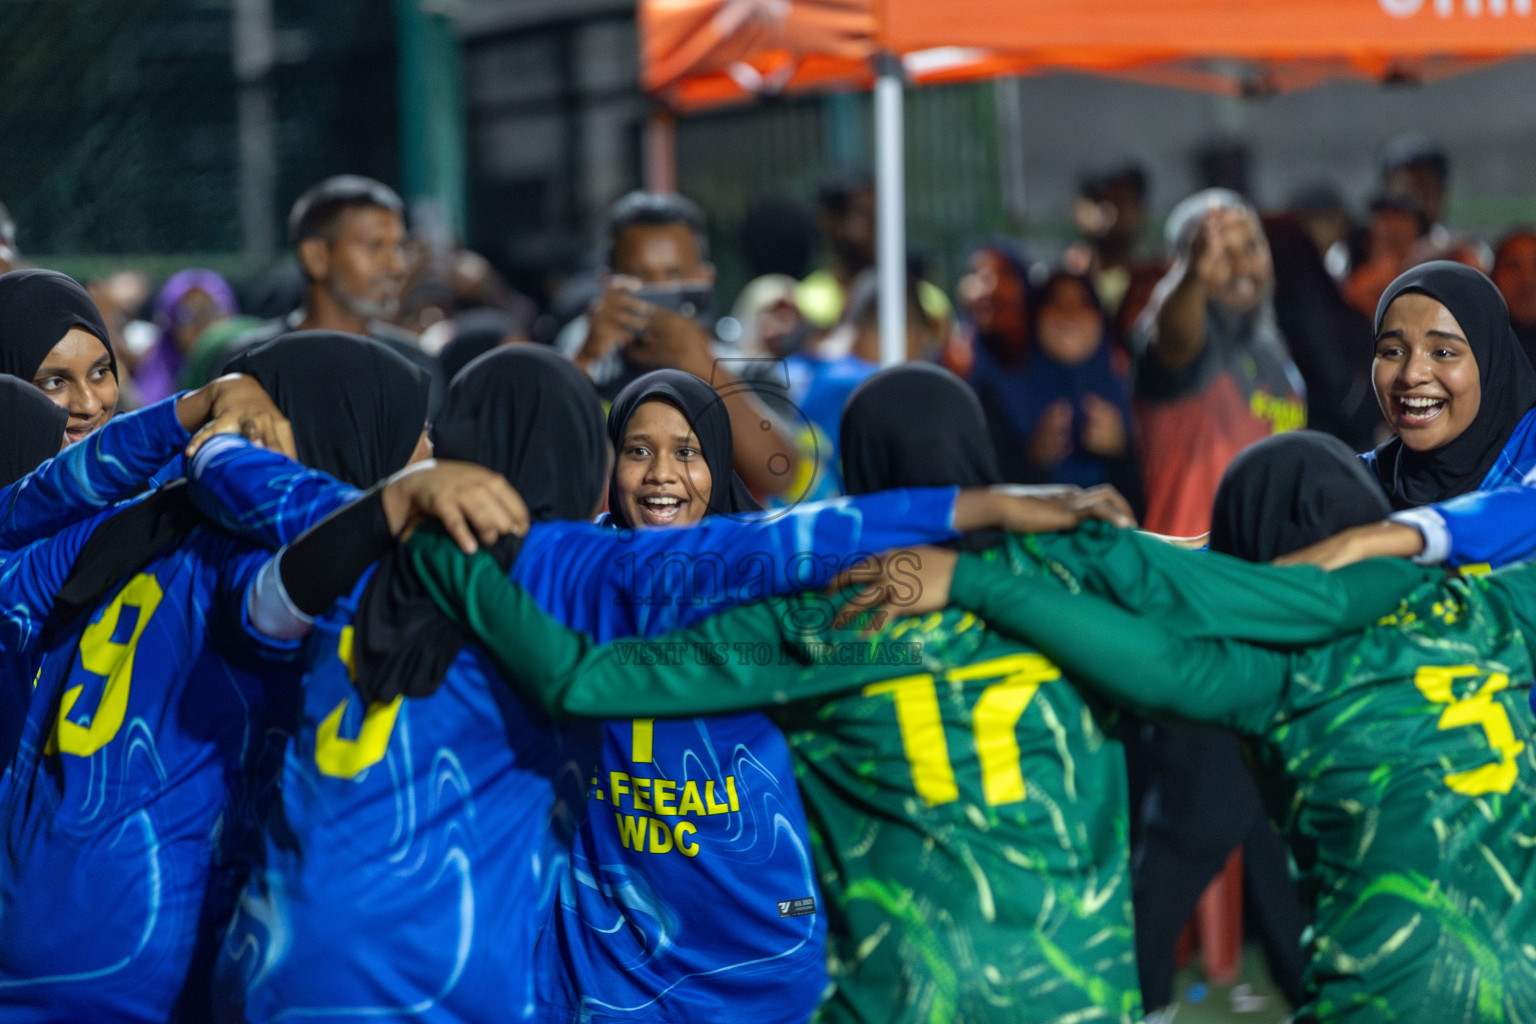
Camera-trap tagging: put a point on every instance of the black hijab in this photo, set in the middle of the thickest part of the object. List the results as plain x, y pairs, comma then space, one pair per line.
357, 411
357, 408
1289, 491
37, 308
704, 410
533, 417
34, 428
917, 425
1508, 384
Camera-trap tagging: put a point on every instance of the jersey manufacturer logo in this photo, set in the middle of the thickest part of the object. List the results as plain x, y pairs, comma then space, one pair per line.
797, 908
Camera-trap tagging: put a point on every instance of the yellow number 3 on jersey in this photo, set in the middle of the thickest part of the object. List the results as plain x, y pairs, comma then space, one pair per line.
1437, 684
343, 758
104, 656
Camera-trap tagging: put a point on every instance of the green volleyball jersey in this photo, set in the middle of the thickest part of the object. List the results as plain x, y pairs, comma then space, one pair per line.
1397, 763
969, 817
967, 807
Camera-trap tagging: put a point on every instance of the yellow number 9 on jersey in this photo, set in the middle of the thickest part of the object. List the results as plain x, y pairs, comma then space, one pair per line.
104, 656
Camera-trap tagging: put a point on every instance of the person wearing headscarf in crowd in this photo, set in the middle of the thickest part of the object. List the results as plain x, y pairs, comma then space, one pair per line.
996, 296
191, 301
1390, 757
1066, 411
52, 334
1514, 271
512, 409
1211, 373
768, 322
1460, 396
115, 768
10, 258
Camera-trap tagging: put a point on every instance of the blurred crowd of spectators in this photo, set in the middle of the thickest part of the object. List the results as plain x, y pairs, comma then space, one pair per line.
1142, 361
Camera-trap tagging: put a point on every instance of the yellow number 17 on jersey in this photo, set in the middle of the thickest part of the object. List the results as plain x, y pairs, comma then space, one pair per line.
994, 720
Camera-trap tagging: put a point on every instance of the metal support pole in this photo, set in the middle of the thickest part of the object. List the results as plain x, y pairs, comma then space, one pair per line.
1009, 93
890, 210
661, 152
254, 54
432, 130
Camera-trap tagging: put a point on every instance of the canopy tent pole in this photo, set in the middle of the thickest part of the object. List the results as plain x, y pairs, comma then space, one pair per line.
890, 210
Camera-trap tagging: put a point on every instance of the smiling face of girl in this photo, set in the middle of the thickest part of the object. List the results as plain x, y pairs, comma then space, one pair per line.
1425, 373
660, 477
77, 375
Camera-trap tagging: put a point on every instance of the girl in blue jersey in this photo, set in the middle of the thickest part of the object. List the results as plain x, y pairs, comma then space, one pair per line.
154, 724
672, 912
1460, 396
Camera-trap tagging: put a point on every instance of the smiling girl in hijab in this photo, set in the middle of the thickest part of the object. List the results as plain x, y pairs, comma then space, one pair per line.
634, 497
672, 467
152, 729
52, 334
1460, 396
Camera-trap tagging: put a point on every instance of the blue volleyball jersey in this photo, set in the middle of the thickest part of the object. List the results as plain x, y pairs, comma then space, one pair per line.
132, 808
413, 855
108, 466
1491, 526
691, 895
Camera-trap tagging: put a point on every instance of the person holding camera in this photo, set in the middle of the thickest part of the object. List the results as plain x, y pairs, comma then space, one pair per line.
651, 314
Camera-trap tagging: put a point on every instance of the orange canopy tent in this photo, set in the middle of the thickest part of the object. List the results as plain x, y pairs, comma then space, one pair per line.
701, 53
698, 53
